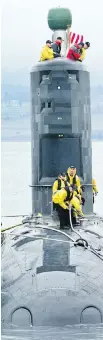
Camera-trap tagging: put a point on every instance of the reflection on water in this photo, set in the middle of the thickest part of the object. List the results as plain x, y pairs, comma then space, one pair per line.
87, 332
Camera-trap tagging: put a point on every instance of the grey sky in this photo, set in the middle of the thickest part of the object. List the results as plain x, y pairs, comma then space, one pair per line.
25, 29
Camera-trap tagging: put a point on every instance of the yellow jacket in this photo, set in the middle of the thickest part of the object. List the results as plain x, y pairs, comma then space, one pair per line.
72, 179
60, 196
75, 202
83, 54
62, 185
46, 53
55, 185
78, 196
95, 189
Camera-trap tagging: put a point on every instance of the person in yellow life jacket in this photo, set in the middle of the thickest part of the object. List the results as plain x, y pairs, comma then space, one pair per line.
81, 199
95, 189
80, 194
47, 52
63, 197
83, 51
59, 183
73, 179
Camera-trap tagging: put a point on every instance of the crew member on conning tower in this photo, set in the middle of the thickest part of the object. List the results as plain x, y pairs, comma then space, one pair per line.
83, 51
75, 52
56, 46
47, 52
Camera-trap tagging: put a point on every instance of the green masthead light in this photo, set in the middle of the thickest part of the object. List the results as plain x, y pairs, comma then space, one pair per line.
59, 18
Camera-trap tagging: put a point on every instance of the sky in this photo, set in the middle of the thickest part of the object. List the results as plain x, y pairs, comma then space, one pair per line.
24, 30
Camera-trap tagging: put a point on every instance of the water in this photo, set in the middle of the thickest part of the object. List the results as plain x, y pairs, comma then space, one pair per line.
16, 177
82, 332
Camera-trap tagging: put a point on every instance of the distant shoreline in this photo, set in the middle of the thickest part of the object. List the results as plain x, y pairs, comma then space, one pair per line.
21, 140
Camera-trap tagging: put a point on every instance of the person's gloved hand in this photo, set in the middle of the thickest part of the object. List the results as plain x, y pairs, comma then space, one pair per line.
82, 217
83, 188
82, 200
96, 193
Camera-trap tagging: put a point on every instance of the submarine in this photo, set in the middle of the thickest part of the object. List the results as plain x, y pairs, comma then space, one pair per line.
52, 280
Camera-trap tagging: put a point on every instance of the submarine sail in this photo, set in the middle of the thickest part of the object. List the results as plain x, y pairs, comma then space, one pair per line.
61, 128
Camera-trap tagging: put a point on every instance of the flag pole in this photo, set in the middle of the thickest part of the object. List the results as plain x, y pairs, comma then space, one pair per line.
68, 38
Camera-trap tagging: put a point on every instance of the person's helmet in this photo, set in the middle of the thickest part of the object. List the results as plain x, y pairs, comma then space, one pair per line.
72, 167
87, 43
62, 174
59, 38
48, 42
81, 43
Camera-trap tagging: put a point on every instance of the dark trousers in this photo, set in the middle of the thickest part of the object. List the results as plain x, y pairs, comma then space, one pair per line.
63, 217
55, 206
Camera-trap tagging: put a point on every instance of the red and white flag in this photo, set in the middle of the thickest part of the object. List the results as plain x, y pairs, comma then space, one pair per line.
75, 38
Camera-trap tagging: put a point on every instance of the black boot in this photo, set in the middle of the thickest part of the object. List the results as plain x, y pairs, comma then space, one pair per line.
75, 222
61, 227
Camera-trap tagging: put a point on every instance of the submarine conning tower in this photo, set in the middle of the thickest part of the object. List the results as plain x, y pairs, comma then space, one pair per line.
60, 128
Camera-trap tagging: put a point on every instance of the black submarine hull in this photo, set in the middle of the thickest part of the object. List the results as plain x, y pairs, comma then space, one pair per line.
48, 282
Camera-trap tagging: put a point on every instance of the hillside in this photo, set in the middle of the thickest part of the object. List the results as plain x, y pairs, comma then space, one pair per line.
15, 106
21, 94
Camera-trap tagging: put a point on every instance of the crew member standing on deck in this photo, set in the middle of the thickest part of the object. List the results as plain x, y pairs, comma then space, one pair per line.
64, 198
73, 179
95, 189
59, 183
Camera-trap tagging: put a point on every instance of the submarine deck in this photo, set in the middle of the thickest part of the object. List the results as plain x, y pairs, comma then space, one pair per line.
62, 276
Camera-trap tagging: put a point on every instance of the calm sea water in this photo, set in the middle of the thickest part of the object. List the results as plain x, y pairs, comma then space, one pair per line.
16, 177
